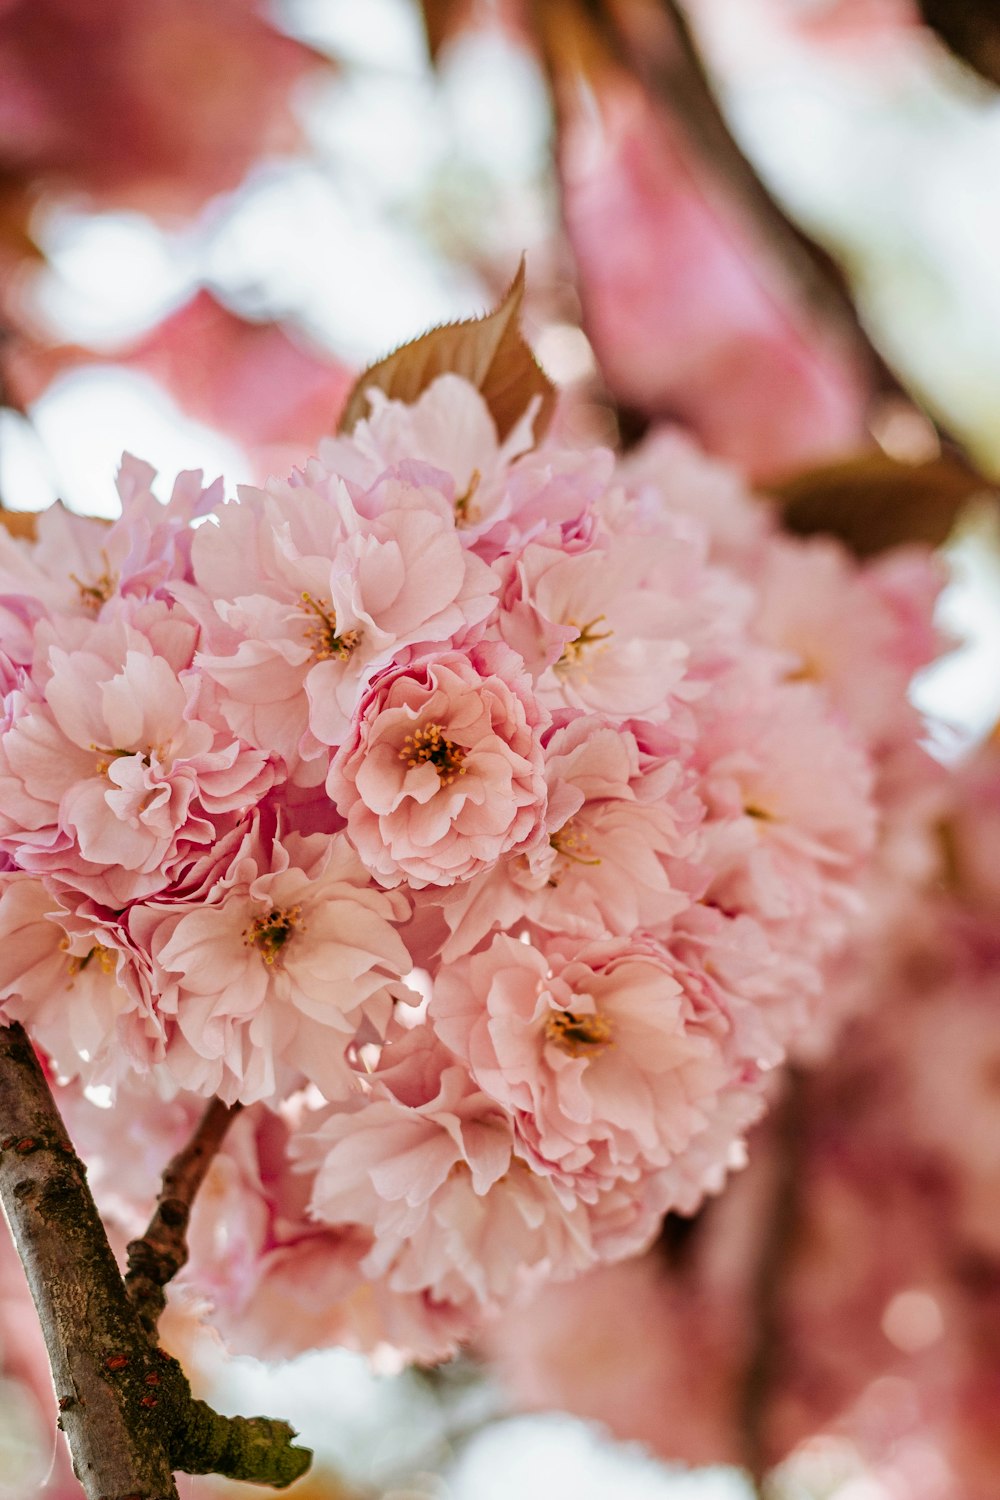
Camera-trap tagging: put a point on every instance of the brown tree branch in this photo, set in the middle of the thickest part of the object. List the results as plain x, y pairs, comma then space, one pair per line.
126, 1407
652, 41
662, 50
971, 29
155, 1259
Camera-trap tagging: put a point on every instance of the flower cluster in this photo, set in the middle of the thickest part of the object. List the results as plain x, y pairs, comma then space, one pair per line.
464, 806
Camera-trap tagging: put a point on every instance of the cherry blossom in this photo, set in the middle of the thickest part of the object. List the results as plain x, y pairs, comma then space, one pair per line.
495, 821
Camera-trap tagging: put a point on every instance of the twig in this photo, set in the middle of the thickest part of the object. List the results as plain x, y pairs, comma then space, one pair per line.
126, 1406
155, 1259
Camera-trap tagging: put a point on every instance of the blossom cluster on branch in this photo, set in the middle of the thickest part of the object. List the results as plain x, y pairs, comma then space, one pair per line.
487, 815
883, 1327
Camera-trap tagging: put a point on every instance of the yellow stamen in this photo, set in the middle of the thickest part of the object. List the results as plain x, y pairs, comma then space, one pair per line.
579, 1036
588, 636
465, 512
104, 957
323, 632
93, 595
430, 744
573, 843
108, 754
272, 932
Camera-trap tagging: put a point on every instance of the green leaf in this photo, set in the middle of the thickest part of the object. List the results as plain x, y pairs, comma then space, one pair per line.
874, 502
489, 352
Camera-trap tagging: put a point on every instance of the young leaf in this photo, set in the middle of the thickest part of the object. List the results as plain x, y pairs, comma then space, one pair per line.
489, 352
874, 502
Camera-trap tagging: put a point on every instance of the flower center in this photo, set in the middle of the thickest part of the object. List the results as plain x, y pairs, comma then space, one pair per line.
465, 511
93, 595
588, 636
430, 744
77, 963
270, 933
322, 632
573, 843
579, 1036
109, 754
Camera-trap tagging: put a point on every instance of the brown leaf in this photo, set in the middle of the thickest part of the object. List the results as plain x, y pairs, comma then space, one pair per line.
489, 352
874, 502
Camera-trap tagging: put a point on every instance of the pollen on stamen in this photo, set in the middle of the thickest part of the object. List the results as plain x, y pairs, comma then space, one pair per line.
430, 744
93, 595
108, 754
465, 511
579, 1035
573, 843
104, 956
573, 651
270, 933
322, 633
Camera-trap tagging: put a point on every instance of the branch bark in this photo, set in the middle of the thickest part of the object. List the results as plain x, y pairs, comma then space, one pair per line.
126, 1406
971, 28
155, 1259
659, 44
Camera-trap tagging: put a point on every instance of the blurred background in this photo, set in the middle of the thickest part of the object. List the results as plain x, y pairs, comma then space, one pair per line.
776, 221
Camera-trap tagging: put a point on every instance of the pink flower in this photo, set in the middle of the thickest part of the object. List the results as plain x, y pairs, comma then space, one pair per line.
619, 834
77, 564
78, 984
275, 1282
609, 633
790, 818
270, 787
861, 631
314, 591
290, 955
606, 1067
110, 778
448, 429
427, 1165
442, 773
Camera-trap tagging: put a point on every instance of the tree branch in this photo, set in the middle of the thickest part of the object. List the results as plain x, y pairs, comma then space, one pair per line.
155, 1259
664, 54
126, 1407
971, 29
653, 41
